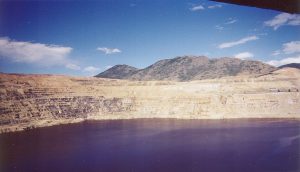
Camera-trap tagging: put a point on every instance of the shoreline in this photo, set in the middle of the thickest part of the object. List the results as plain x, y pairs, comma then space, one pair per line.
46, 123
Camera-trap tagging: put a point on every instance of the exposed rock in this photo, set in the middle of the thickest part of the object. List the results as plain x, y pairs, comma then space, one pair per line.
189, 68
30, 101
118, 72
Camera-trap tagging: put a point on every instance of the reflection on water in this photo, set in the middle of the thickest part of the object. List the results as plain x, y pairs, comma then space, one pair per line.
287, 141
155, 145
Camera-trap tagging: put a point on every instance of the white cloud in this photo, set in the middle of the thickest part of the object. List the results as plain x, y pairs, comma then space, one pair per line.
218, 27
107, 67
91, 69
73, 66
235, 43
34, 53
291, 47
244, 55
288, 48
283, 19
231, 21
295, 21
109, 50
276, 53
214, 6
284, 61
197, 8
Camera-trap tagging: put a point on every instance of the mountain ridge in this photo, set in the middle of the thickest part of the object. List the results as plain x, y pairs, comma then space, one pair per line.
187, 68
292, 65
118, 72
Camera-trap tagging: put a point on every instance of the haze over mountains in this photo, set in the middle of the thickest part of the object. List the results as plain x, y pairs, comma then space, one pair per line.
188, 68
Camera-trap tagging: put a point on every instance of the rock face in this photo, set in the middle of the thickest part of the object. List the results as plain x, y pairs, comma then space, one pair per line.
28, 101
189, 68
291, 65
118, 72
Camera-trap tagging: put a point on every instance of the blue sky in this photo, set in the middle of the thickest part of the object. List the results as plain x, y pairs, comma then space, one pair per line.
86, 37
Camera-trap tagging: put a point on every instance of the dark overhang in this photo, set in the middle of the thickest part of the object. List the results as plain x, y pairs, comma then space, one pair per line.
289, 6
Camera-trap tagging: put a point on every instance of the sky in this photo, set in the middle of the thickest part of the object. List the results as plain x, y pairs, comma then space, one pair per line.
84, 38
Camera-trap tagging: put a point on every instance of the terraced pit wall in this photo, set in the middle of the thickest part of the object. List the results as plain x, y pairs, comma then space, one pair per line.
29, 101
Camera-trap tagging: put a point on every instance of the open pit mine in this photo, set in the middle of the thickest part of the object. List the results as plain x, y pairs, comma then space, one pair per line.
30, 101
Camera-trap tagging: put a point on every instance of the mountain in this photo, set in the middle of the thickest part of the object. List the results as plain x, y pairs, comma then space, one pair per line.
292, 65
188, 68
118, 72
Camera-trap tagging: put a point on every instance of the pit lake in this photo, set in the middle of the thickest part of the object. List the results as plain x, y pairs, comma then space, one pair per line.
155, 145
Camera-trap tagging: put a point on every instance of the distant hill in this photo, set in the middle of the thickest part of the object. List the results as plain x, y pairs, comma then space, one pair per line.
292, 65
118, 72
187, 68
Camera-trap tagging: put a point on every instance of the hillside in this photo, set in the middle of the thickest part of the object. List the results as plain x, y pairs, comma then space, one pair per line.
118, 72
291, 65
187, 68
29, 101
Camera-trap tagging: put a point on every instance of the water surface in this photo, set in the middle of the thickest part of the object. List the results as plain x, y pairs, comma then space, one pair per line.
155, 145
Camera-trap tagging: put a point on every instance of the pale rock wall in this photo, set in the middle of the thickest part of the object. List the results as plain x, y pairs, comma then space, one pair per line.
29, 101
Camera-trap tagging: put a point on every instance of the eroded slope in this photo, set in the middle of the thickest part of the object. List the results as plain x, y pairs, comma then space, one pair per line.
28, 101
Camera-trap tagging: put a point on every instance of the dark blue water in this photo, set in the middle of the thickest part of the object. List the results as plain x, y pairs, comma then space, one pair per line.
155, 145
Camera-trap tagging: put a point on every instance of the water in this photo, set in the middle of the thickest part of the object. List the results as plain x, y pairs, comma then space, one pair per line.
155, 145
